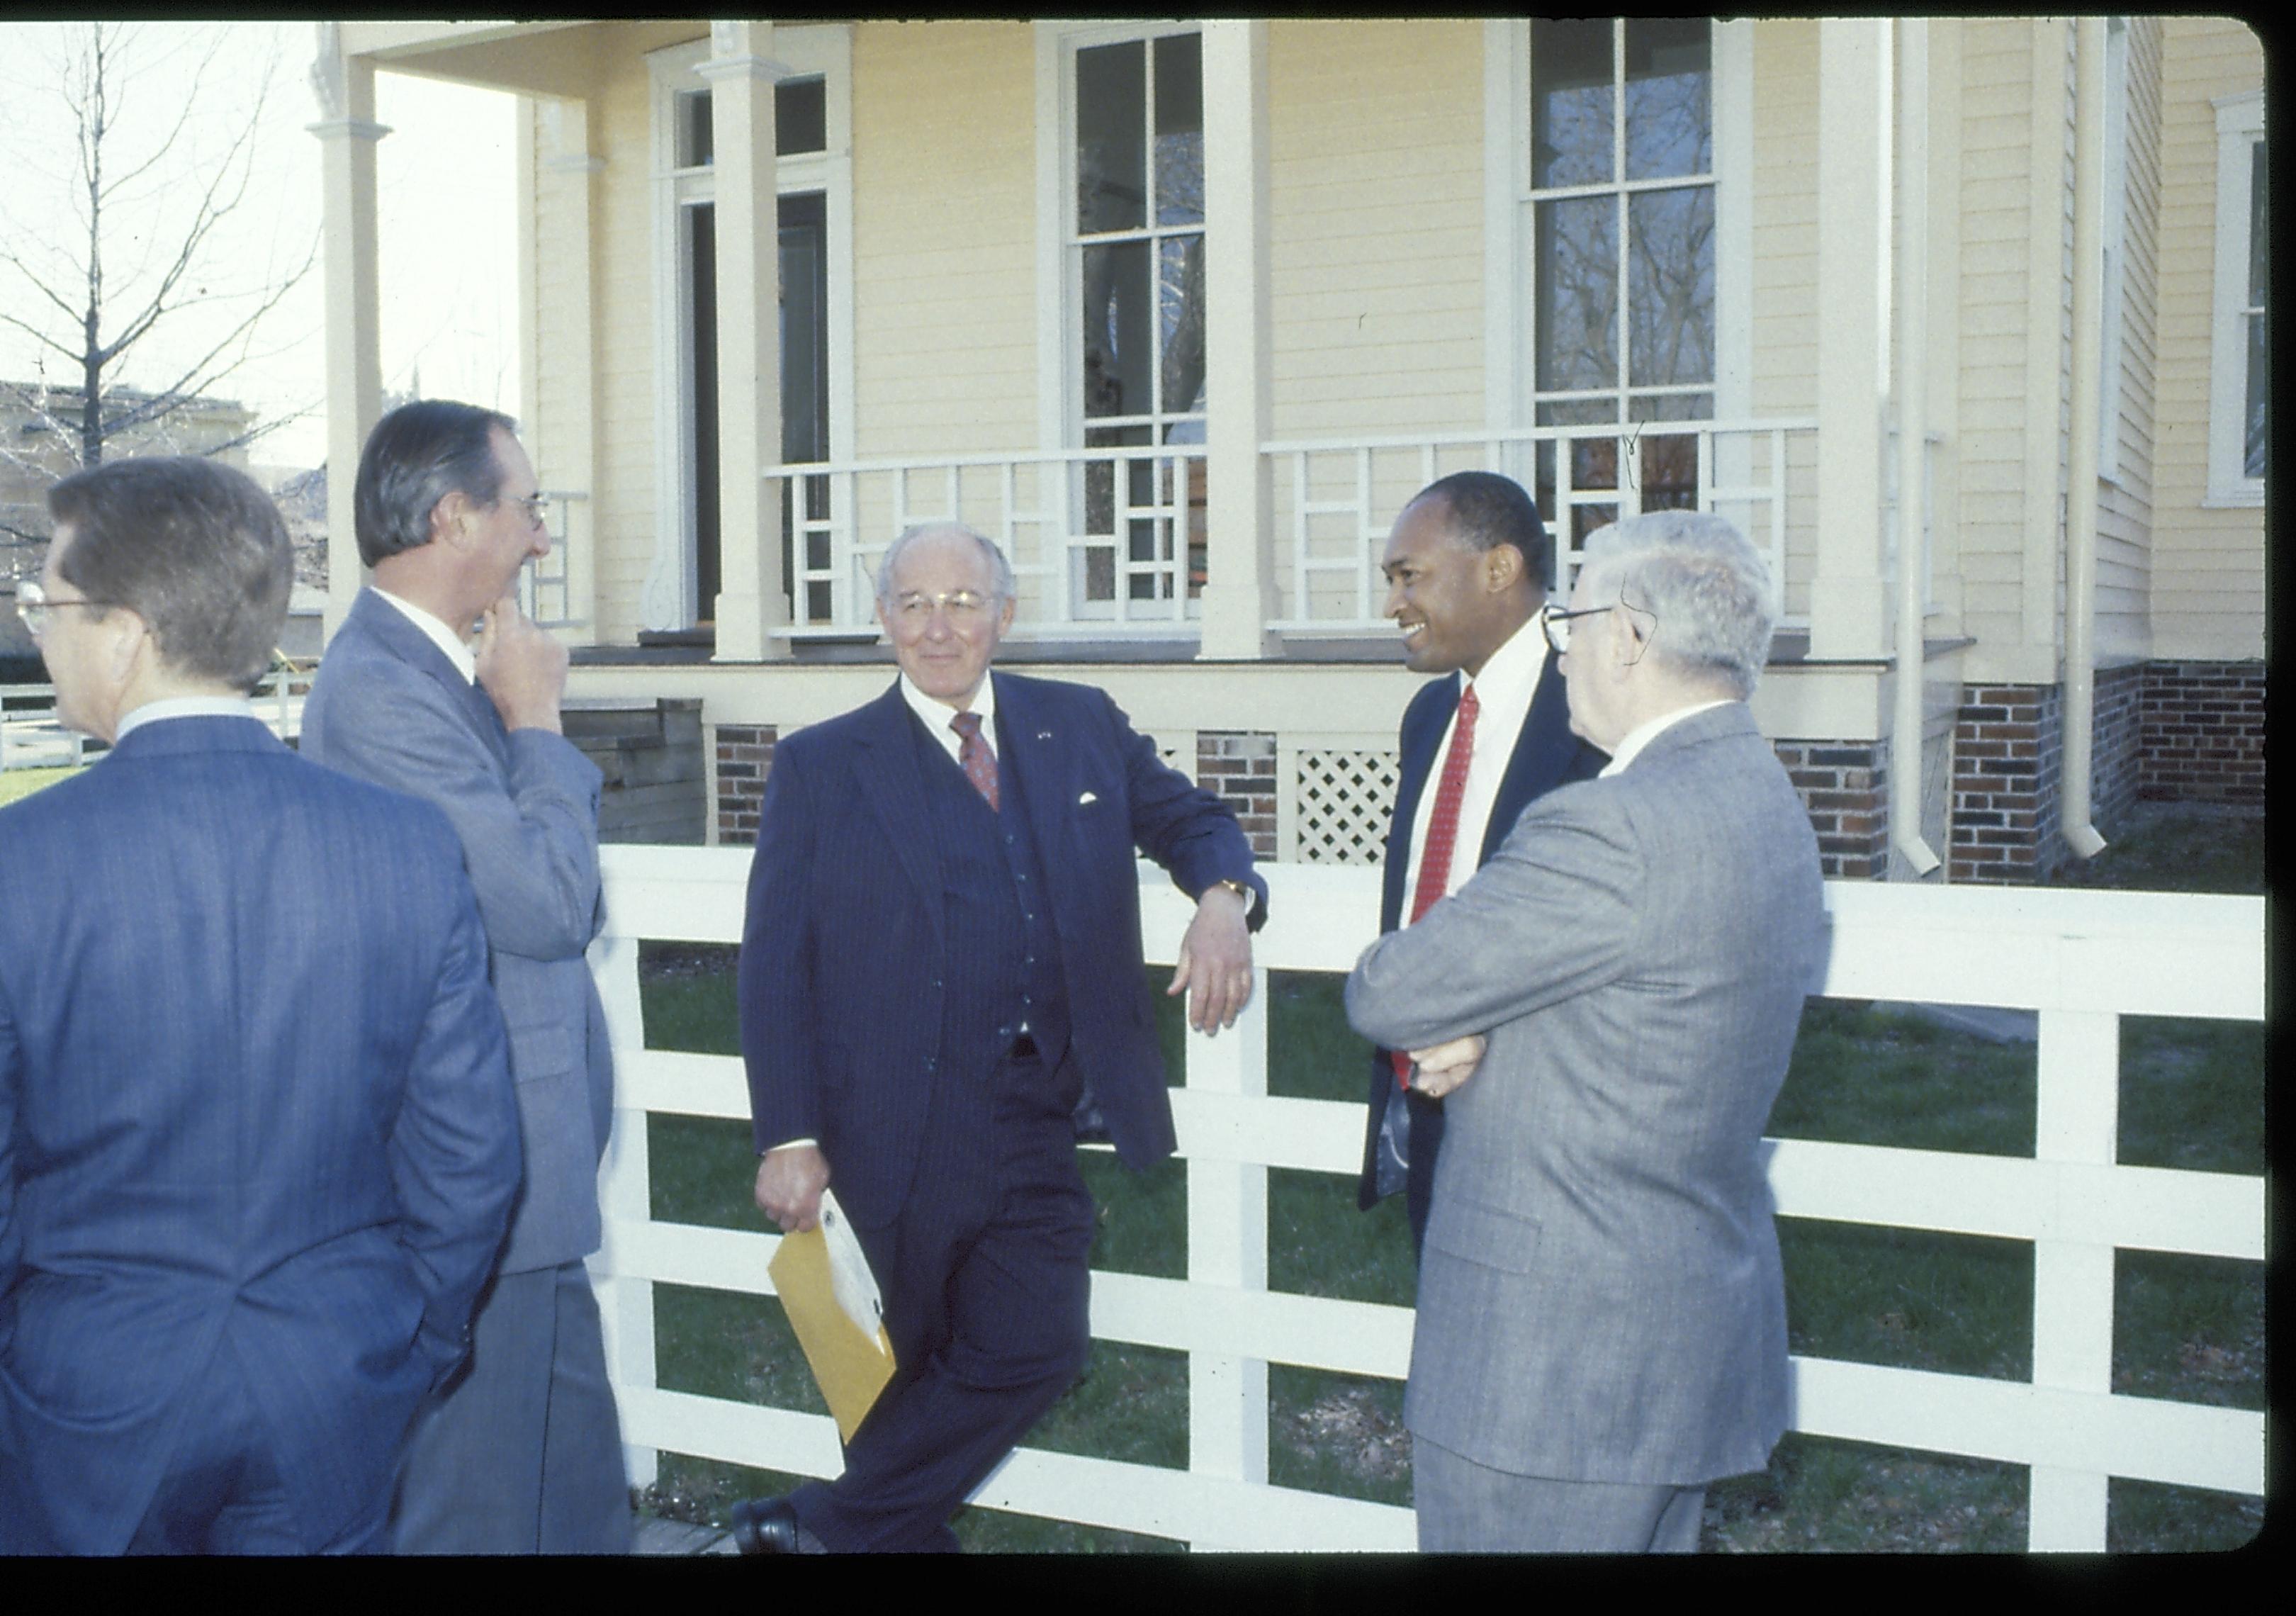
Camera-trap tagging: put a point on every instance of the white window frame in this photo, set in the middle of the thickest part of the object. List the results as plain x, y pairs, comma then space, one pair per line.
2239, 125
669, 599
1060, 422
2113, 193
1510, 361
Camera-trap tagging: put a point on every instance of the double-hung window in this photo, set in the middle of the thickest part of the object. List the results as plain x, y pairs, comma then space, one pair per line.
2240, 371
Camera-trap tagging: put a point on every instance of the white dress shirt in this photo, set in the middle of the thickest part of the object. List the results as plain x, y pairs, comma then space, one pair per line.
936, 713
184, 707
1504, 693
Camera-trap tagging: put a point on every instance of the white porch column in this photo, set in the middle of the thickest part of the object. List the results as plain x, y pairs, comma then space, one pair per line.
560, 233
1239, 586
750, 603
1845, 607
348, 133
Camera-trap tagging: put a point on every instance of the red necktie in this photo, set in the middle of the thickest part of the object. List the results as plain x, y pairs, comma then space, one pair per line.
1442, 833
978, 762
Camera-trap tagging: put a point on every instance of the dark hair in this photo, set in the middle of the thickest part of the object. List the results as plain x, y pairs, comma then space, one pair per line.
417, 455
1488, 510
195, 549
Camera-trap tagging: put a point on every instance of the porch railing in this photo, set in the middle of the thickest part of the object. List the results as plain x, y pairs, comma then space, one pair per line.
1102, 541
1337, 498
545, 589
2081, 959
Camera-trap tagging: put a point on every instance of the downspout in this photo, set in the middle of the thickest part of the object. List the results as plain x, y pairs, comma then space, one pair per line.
1912, 292
2081, 453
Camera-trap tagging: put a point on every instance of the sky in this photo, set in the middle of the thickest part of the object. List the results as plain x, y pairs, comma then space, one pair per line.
445, 185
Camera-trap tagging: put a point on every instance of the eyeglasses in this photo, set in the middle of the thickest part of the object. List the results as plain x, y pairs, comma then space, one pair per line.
33, 606
964, 606
1556, 624
535, 504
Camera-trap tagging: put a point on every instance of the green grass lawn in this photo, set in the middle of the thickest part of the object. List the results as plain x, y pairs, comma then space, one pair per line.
19, 783
2185, 1328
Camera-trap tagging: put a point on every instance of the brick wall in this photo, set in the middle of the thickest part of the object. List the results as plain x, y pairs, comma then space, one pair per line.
2202, 727
744, 753
2008, 778
1239, 767
1845, 785
2117, 742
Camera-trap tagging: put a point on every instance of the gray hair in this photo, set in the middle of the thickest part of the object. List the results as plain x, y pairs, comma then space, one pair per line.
1705, 583
1000, 570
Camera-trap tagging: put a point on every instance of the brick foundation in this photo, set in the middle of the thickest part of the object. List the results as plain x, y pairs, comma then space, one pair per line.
2202, 733
1846, 787
744, 753
1239, 767
2008, 776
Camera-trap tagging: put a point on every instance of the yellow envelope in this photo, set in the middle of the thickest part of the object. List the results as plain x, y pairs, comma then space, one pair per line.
850, 1364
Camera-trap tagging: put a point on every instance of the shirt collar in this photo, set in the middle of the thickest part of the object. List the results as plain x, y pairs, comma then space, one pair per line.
452, 645
935, 713
1511, 673
184, 707
1642, 734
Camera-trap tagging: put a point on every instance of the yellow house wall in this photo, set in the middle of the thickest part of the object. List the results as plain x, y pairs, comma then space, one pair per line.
2124, 522
2208, 575
944, 237
1375, 226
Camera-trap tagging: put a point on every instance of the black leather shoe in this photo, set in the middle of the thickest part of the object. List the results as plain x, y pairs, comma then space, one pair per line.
769, 1526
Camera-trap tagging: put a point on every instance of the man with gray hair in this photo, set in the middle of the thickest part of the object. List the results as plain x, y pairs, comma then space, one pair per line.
1610, 1003
437, 685
943, 941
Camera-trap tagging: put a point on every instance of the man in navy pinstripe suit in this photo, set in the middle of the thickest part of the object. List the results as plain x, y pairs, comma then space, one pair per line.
257, 1146
942, 950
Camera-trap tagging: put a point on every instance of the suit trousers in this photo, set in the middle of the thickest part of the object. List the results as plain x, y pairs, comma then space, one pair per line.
222, 1493
1465, 1507
523, 1454
987, 1285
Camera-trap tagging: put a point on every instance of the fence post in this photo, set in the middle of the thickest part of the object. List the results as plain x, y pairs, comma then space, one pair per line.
2078, 1117
1227, 1246
625, 1195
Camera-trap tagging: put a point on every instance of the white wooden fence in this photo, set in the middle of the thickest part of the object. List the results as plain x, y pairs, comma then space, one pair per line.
30, 737
2081, 959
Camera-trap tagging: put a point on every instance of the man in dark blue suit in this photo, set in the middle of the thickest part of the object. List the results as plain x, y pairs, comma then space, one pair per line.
942, 948
258, 1145
1467, 567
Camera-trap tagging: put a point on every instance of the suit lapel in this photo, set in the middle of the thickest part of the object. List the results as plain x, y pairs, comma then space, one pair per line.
1035, 757
885, 767
1423, 722
402, 639
1543, 758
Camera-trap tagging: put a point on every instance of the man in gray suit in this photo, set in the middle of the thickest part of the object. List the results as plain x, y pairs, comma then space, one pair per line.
1610, 1003
523, 1454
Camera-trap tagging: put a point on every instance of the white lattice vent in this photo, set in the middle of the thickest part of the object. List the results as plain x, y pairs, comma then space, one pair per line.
1344, 799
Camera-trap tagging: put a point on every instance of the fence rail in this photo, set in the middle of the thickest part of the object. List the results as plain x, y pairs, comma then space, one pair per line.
2081, 959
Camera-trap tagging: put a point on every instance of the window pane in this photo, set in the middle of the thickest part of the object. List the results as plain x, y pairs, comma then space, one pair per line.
1112, 157
1669, 84
1180, 129
1571, 103
1578, 293
694, 147
2260, 235
1180, 306
1118, 350
800, 117
2259, 390
1670, 286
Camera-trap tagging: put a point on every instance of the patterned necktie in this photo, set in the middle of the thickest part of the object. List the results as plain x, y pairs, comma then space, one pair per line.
978, 762
1442, 833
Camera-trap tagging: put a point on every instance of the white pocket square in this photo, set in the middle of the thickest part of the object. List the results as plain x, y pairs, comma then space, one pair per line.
1087, 799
